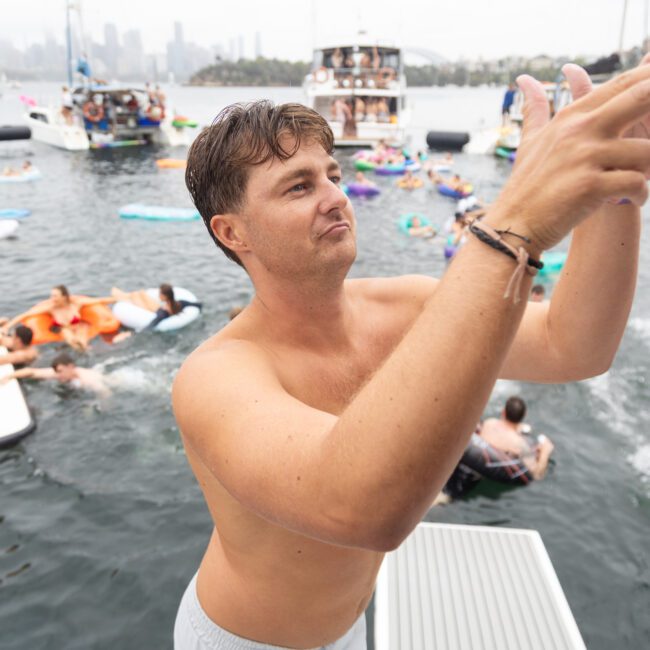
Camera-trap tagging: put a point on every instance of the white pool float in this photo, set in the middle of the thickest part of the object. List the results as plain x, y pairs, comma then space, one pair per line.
138, 318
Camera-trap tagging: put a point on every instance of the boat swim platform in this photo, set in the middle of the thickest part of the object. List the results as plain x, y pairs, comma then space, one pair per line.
457, 587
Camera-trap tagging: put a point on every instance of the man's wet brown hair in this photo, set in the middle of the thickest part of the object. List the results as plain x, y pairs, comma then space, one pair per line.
243, 135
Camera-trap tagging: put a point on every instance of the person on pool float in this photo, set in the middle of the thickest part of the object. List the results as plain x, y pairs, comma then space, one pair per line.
168, 305
65, 371
409, 181
322, 421
19, 345
507, 434
511, 455
65, 311
361, 179
418, 229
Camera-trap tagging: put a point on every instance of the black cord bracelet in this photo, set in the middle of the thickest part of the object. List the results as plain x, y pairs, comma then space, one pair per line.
497, 245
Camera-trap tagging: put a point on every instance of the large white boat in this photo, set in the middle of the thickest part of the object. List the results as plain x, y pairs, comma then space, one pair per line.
361, 90
103, 116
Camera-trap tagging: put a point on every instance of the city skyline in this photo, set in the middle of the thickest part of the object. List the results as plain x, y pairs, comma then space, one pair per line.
122, 55
468, 29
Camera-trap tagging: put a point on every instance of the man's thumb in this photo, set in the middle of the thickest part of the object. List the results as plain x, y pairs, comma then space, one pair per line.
536, 109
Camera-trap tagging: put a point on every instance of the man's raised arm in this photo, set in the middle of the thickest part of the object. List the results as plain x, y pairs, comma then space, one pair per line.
366, 478
576, 334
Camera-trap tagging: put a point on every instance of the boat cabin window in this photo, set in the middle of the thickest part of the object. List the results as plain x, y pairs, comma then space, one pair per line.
39, 116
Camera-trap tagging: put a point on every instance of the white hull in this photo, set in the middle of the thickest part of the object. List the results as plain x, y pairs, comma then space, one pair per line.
487, 140
48, 126
173, 136
16, 420
61, 135
368, 134
364, 87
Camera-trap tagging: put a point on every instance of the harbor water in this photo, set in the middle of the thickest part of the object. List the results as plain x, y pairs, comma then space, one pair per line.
101, 521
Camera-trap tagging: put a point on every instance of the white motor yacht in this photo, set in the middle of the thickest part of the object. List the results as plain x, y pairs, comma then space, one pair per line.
360, 88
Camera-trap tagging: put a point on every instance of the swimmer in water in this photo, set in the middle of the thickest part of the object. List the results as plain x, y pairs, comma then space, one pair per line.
20, 350
65, 371
506, 434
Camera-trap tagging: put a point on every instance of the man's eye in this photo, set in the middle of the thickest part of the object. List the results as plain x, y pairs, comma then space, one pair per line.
335, 179
300, 187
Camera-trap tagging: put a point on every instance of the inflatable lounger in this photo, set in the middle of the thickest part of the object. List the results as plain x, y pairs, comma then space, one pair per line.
360, 189
23, 177
8, 228
99, 318
14, 213
138, 318
157, 213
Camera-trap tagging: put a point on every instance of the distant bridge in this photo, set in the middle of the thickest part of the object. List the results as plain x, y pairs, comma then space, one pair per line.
431, 57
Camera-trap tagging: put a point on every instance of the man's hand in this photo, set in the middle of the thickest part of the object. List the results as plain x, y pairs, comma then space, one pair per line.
567, 167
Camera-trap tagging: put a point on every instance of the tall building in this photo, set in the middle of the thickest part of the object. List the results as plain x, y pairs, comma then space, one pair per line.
111, 48
258, 45
133, 54
176, 54
240, 49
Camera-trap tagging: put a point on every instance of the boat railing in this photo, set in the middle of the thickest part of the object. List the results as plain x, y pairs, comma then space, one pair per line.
355, 78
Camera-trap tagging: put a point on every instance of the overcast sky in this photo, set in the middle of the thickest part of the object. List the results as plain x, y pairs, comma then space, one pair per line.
453, 28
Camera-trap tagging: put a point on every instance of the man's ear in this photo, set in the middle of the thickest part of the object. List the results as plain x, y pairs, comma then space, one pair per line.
230, 231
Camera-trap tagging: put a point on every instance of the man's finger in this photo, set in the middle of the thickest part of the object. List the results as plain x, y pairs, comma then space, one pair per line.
624, 109
632, 154
624, 184
536, 109
578, 79
614, 87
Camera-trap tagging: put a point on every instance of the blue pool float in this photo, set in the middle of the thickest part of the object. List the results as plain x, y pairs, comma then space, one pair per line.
445, 190
553, 262
389, 170
359, 189
157, 213
405, 221
14, 213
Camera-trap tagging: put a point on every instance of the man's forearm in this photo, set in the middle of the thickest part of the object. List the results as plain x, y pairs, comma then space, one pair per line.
412, 421
593, 297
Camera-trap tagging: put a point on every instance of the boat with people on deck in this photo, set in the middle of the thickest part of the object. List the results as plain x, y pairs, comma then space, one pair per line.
104, 116
94, 114
360, 89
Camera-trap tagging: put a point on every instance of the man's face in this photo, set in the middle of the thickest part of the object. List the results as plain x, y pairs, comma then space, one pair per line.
64, 372
298, 221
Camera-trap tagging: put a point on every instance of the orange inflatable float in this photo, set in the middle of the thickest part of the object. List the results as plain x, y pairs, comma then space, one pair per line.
99, 318
171, 163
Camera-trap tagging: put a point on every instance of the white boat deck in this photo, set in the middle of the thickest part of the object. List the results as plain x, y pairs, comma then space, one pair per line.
15, 419
453, 587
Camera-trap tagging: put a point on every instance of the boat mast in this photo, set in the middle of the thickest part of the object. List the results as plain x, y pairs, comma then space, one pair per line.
620, 40
68, 39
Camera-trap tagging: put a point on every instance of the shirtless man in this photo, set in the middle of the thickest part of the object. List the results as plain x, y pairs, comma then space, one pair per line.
65, 371
506, 434
20, 350
322, 421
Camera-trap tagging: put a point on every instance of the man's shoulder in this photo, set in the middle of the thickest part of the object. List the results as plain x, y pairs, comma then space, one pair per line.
402, 288
219, 360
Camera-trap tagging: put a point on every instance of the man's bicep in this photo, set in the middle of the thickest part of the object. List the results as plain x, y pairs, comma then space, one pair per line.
262, 444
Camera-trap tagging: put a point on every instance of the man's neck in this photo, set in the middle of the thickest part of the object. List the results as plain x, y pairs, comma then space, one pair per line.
514, 426
306, 316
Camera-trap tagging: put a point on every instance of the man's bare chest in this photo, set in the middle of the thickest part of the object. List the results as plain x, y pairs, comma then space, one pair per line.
329, 381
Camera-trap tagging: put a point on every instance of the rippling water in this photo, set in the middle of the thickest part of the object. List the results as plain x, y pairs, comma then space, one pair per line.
101, 521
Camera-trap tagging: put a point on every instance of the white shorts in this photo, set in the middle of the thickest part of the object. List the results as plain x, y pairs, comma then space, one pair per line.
193, 630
